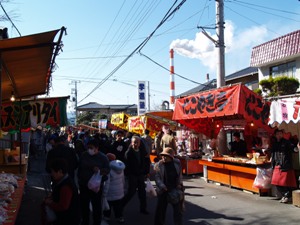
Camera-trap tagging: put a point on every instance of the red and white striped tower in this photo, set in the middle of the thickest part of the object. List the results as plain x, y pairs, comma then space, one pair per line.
172, 82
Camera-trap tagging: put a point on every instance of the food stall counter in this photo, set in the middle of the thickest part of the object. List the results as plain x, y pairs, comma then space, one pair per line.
234, 172
190, 165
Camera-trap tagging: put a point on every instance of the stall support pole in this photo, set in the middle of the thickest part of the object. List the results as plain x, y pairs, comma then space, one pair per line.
0, 91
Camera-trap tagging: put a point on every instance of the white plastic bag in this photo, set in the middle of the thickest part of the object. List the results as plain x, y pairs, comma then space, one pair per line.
150, 190
95, 182
105, 205
263, 178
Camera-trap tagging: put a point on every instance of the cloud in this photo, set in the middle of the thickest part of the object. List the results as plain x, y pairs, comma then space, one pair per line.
204, 49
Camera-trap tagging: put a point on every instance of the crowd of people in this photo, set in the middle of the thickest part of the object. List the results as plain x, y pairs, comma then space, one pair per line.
122, 162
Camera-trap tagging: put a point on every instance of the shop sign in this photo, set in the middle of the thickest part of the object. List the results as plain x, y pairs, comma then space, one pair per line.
117, 118
50, 111
200, 111
223, 102
141, 97
102, 124
136, 124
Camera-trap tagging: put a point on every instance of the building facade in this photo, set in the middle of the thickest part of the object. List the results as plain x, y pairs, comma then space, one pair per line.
278, 57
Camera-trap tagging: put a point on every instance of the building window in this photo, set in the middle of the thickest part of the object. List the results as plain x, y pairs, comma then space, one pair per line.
285, 69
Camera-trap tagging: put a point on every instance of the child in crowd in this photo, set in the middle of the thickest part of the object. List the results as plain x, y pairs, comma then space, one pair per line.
114, 188
64, 199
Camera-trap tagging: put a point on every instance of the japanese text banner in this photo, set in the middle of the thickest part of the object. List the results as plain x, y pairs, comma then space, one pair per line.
196, 110
24, 114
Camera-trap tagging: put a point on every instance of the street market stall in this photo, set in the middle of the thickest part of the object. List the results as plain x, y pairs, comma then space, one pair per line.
216, 114
26, 66
285, 114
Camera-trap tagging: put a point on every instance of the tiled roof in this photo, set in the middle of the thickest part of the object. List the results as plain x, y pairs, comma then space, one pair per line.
90, 105
96, 106
279, 48
242, 73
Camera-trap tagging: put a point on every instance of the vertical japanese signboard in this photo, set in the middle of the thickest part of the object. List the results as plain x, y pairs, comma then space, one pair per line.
141, 97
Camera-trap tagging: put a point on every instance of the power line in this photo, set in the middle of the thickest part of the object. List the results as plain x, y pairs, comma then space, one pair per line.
168, 69
96, 57
10, 19
139, 47
253, 21
265, 7
243, 4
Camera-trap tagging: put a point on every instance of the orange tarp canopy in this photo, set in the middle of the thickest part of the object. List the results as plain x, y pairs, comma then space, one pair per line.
200, 111
27, 63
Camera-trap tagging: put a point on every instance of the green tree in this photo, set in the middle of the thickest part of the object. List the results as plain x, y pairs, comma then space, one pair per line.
85, 118
277, 86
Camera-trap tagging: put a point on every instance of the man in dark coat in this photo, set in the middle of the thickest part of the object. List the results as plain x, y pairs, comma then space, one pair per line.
118, 146
62, 151
137, 168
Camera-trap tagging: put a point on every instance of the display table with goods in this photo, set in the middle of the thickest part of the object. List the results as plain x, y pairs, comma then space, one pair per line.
11, 162
11, 193
189, 151
236, 172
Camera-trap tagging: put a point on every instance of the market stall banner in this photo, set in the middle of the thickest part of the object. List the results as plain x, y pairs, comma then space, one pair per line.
136, 124
25, 114
120, 120
237, 101
285, 114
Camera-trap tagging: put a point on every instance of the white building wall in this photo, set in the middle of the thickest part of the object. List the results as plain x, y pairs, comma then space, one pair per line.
264, 71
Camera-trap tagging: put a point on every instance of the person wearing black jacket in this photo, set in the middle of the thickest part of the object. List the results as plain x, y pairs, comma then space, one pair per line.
64, 199
118, 147
137, 168
238, 146
281, 159
62, 151
91, 162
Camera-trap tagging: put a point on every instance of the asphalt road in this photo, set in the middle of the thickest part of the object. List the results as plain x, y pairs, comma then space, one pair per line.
206, 203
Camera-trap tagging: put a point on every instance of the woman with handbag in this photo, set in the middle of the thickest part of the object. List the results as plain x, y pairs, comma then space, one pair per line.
168, 179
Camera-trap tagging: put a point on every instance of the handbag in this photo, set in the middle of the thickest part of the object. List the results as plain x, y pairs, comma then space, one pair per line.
175, 196
95, 182
150, 190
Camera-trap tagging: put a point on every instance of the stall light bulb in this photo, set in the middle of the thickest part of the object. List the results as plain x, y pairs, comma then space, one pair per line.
12, 98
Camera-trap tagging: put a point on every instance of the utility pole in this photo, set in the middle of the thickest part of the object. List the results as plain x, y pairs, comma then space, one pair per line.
220, 33
219, 43
74, 99
148, 96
